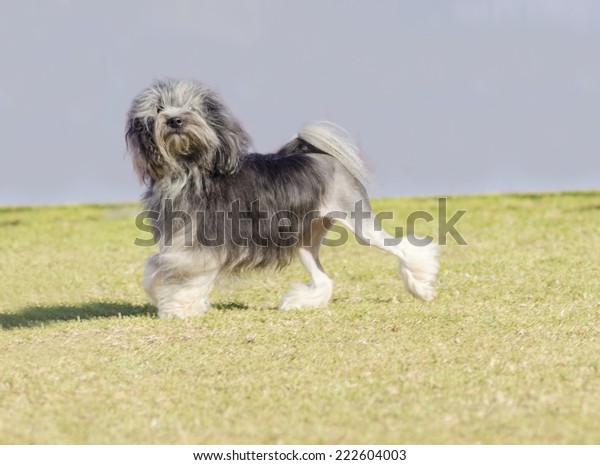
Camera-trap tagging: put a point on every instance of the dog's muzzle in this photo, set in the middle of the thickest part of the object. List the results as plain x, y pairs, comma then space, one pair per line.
175, 122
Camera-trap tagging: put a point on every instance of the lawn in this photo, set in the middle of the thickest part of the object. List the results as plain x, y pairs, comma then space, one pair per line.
509, 352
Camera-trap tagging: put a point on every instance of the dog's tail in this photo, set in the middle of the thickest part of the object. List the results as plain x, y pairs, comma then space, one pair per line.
335, 141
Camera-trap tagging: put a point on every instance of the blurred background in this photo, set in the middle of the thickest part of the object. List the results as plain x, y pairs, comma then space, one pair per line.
444, 96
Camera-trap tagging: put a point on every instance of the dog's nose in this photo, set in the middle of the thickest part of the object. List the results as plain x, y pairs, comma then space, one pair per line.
175, 122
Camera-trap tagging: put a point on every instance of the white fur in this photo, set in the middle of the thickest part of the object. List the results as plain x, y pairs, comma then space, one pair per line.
334, 140
418, 263
418, 268
178, 284
307, 296
318, 293
149, 281
186, 298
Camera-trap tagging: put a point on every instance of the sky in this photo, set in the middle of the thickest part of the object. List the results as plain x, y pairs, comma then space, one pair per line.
443, 96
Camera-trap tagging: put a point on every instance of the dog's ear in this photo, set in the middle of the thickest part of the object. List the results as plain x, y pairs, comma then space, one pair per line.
233, 140
143, 150
230, 150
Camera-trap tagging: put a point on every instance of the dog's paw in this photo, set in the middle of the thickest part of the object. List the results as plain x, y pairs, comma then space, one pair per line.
171, 310
302, 296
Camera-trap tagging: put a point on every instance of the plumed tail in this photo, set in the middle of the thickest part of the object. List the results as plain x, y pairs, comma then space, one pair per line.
335, 141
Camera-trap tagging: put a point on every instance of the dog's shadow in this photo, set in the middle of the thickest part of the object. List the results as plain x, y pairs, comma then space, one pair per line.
41, 315
229, 306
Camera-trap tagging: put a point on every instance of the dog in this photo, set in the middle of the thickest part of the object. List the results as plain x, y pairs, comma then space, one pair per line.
222, 209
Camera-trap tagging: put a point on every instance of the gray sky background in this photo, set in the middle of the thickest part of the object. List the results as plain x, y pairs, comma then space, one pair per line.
448, 96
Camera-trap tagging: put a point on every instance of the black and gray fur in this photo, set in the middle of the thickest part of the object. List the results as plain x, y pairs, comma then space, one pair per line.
195, 158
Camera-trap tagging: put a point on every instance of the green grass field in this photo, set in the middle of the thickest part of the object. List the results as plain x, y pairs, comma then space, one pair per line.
508, 353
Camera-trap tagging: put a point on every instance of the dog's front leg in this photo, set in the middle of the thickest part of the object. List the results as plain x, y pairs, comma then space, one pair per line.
178, 295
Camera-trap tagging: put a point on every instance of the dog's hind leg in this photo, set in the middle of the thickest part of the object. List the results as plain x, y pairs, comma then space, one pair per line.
418, 263
319, 292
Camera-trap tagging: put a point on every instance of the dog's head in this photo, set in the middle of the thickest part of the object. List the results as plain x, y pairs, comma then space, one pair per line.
175, 125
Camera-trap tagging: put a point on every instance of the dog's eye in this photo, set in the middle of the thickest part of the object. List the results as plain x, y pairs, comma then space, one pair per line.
159, 108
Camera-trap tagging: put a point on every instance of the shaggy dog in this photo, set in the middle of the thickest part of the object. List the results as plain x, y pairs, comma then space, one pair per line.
221, 209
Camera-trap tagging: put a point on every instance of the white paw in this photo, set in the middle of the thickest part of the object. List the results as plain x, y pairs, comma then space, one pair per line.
419, 269
175, 310
302, 296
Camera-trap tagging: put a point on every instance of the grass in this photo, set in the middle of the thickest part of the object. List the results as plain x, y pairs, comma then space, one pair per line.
508, 353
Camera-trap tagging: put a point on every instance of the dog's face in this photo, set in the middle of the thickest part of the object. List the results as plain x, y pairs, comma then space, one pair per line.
175, 126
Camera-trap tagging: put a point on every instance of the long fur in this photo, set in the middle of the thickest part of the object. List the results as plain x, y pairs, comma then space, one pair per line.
223, 209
